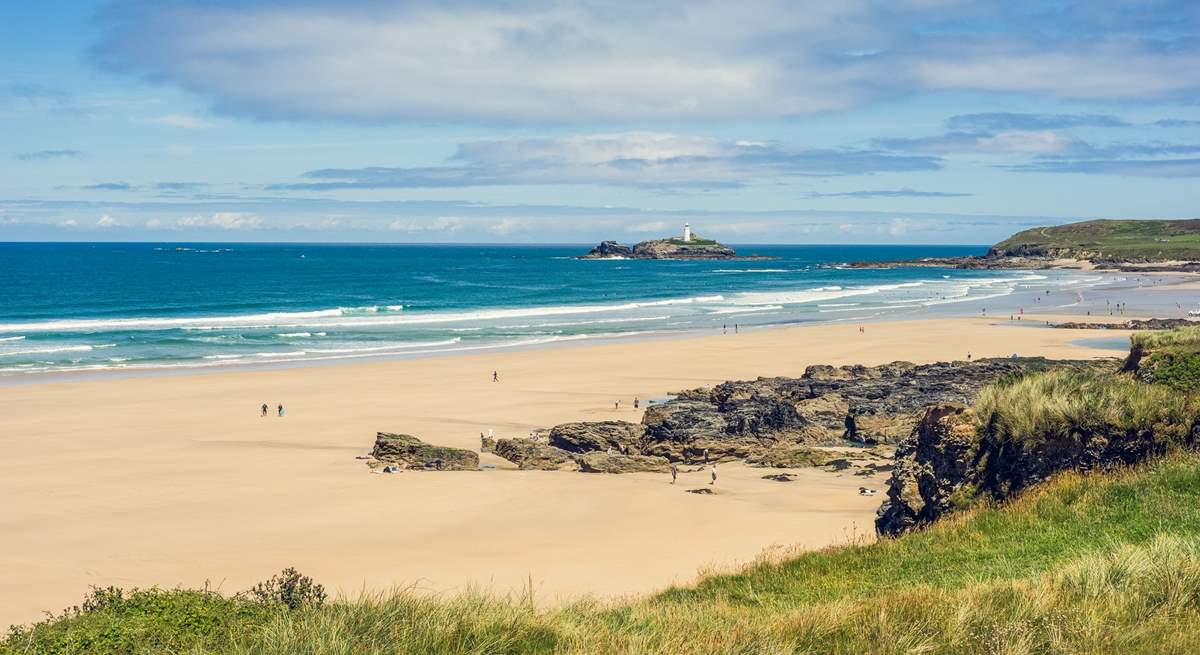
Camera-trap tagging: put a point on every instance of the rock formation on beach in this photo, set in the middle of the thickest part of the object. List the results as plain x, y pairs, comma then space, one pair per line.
412, 453
1132, 324
771, 422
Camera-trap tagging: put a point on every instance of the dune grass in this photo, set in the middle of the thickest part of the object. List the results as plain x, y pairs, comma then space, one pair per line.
1059, 403
1082, 564
1182, 337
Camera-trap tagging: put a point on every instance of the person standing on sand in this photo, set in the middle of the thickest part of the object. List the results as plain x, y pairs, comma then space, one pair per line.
674, 472
617, 405
495, 376
264, 409
281, 409
705, 455
714, 473
635, 402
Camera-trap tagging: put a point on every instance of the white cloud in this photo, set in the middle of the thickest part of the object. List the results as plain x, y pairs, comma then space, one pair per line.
70, 222
447, 224
222, 221
107, 221
183, 121
652, 227
625, 158
508, 226
547, 60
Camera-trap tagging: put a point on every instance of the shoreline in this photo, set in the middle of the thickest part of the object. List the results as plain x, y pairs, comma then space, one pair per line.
1180, 281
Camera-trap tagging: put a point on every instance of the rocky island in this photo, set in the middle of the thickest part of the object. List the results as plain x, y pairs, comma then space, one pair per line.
687, 246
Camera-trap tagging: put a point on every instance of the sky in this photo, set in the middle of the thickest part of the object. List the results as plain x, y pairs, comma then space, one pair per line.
542, 121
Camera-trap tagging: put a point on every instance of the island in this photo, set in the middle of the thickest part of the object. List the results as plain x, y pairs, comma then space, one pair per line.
1144, 246
687, 246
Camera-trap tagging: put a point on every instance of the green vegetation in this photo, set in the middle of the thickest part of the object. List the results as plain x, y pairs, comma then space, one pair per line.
696, 241
1082, 564
1110, 239
1062, 404
1169, 358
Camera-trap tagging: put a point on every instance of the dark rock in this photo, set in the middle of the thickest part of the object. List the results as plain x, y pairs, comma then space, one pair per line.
533, 455
1134, 324
950, 459
597, 462
587, 437
840, 464
703, 491
780, 477
609, 250
412, 453
930, 467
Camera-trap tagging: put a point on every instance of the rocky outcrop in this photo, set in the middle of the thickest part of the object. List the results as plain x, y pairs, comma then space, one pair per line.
534, 455
775, 421
602, 462
412, 453
930, 468
951, 459
586, 437
1133, 324
697, 248
609, 250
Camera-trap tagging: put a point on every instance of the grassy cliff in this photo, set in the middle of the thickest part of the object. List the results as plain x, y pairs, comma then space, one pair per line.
1121, 240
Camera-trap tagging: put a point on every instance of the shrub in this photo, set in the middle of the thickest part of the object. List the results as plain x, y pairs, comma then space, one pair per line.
289, 588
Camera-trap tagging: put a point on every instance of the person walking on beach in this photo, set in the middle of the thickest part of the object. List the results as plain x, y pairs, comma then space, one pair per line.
264, 409
617, 405
495, 376
705, 455
674, 472
635, 402
714, 473
281, 409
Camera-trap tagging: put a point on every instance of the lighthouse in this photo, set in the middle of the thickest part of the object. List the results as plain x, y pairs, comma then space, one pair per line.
687, 232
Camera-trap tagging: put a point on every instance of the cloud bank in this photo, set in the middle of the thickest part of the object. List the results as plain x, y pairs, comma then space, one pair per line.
589, 60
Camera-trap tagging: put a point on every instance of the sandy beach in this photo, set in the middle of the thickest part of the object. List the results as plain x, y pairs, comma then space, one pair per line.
176, 480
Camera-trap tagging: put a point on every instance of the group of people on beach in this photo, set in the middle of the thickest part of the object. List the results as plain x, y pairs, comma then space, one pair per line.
278, 410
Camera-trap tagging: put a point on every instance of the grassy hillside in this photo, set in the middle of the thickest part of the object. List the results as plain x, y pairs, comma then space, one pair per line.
1109, 239
1082, 564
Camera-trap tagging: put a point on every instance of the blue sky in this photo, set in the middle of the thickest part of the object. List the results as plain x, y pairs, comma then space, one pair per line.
916, 121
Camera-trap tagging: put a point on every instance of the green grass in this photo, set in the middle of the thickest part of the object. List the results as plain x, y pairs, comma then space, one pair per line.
1082, 564
676, 241
1059, 404
1170, 358
1111, 239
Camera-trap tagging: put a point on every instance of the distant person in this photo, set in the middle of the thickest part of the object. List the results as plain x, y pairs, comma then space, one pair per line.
714, 473
724, 329
264, 409
617, 405
674, 472
968, 355
735, 328
280, 409
635, 402
705, 455
495, 376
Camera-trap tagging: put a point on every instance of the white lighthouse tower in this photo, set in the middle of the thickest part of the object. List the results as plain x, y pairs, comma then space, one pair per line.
687, 232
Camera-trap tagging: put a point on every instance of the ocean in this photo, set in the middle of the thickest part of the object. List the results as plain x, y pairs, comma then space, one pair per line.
145, 306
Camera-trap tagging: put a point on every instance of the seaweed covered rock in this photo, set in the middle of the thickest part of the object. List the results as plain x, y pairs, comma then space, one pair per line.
533, 455
412, 453
602, 462
583, 437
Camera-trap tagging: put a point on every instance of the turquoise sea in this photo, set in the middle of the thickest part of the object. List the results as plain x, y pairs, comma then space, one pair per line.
129, 307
